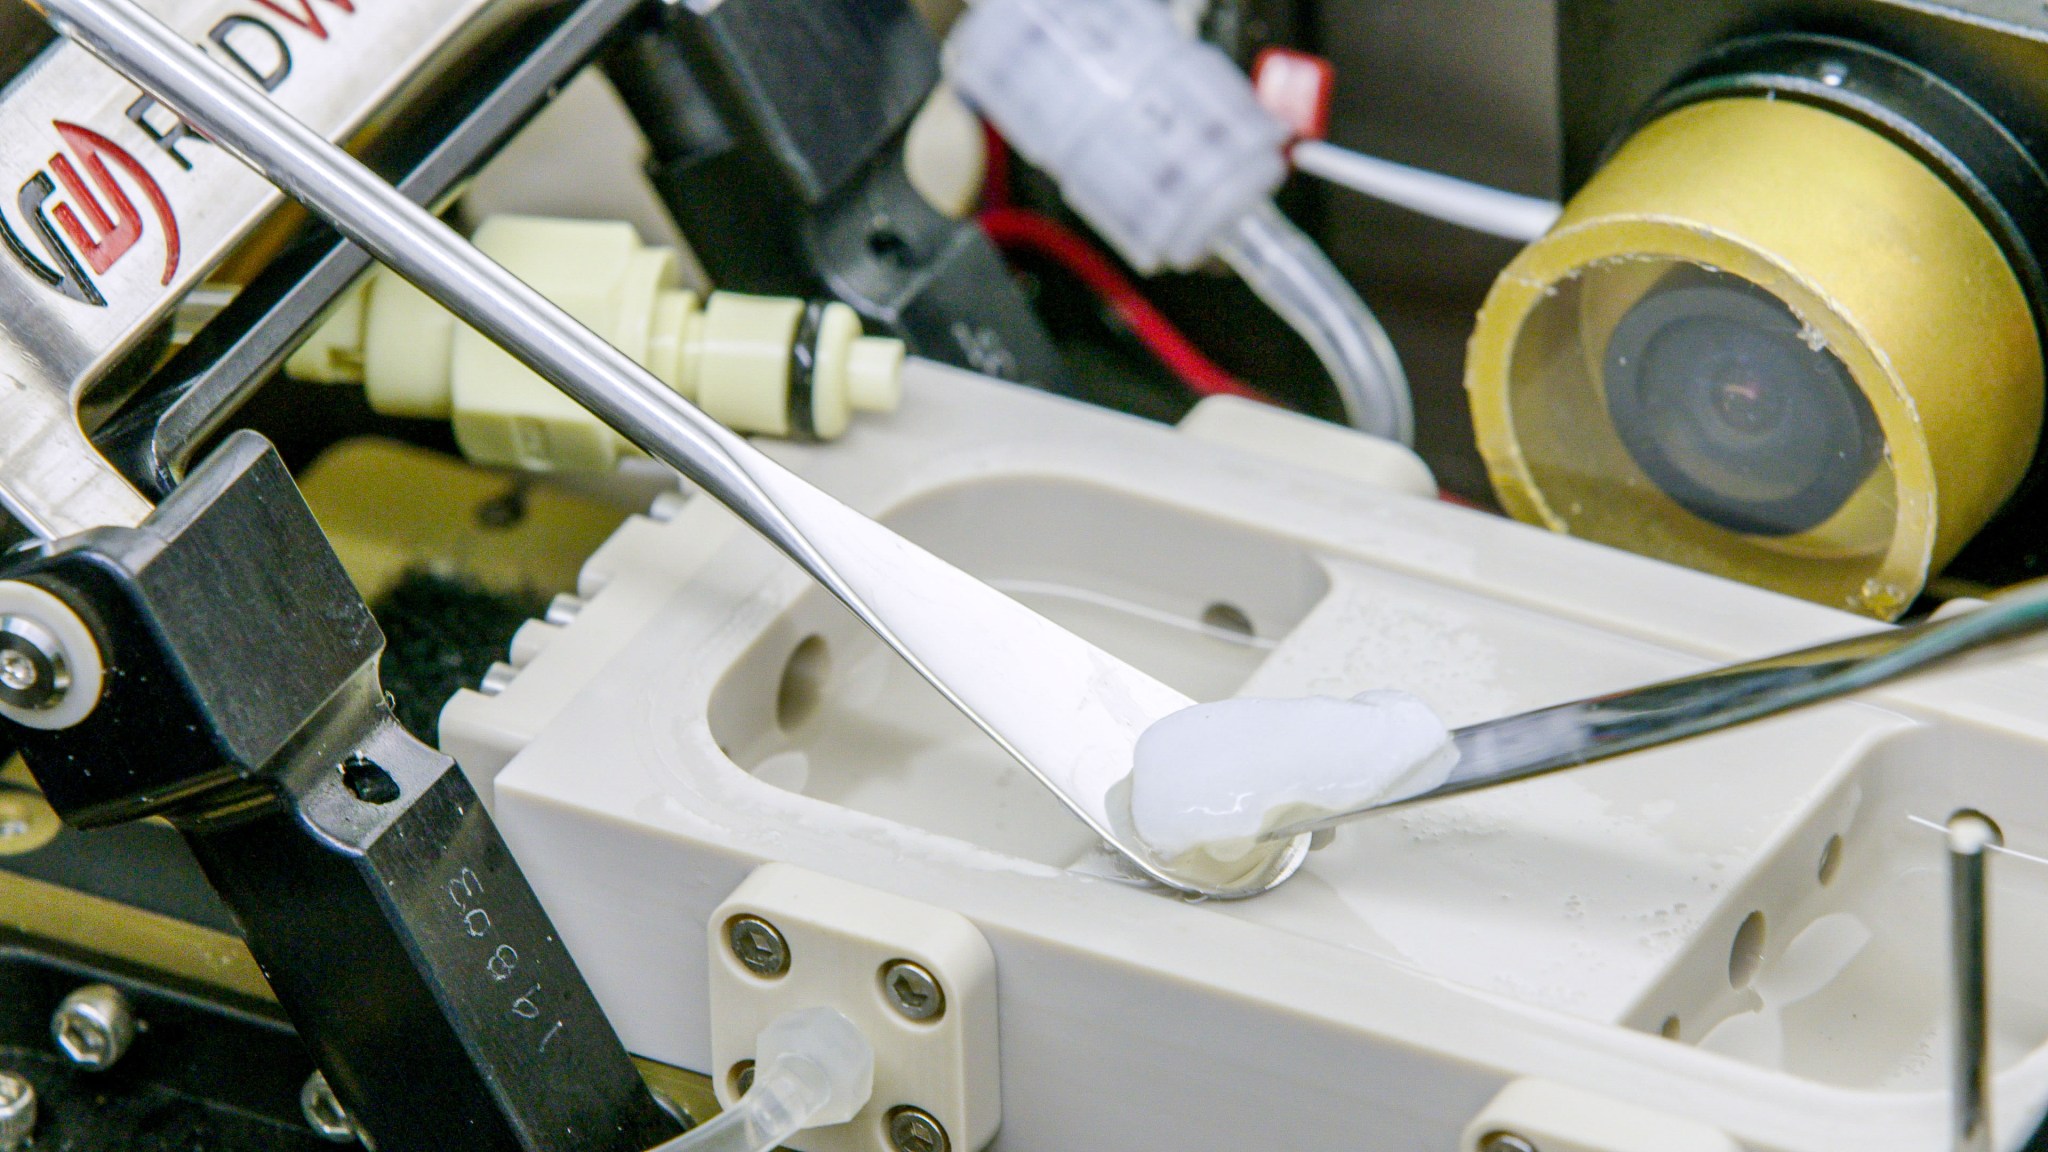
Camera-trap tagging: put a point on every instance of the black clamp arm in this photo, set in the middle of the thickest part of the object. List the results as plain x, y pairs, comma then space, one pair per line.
233, 672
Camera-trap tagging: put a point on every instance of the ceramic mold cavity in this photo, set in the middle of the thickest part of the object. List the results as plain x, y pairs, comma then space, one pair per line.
818, 706
685, 728
1850, 984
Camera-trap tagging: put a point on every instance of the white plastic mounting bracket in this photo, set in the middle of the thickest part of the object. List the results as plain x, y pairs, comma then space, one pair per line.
1554, 1117
839, 945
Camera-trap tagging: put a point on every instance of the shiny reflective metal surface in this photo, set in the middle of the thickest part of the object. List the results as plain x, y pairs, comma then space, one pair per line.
112, 224
209, 391
1066, 710
1971, 837
1568, 735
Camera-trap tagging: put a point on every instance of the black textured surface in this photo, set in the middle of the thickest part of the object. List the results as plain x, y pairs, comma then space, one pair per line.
442, 633
22, 35
82, 1112
206, 1072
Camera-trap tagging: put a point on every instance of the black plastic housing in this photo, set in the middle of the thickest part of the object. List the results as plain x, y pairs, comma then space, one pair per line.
777, 133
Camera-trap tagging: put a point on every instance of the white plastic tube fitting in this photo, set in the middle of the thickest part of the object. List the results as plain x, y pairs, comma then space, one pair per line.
1154, 138
811, 1068
771, 365
1158, 141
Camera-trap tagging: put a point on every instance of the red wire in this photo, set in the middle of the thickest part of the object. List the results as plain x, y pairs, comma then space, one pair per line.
995, 181
1018, 228
1013, 229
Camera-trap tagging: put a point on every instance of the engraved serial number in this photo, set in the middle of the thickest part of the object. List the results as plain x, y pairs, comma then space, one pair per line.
466, 891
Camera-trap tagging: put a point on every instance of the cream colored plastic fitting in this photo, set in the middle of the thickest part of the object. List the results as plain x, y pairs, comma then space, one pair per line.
771, 365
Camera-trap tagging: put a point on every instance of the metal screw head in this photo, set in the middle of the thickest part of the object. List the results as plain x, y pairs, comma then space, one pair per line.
1505, 1142
912, 991
915, 1130
17, 1111
742, 1078
34, 672
324, 1113
94, 1026
757, 945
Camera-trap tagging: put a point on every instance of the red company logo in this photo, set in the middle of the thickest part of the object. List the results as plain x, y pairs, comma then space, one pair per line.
93, 226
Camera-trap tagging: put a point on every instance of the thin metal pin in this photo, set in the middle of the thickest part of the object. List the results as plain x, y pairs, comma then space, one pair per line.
1971, 835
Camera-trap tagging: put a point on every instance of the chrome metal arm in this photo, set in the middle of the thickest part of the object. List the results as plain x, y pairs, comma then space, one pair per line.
1568, 735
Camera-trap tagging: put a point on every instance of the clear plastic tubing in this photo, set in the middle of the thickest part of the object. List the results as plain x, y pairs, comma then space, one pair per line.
1158, 142
1300, 284
814, 1069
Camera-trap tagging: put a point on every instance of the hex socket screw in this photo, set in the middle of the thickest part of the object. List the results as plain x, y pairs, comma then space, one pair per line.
94, 1026
913, 991
324, 1113
17, 1111
916, 1130
758, 946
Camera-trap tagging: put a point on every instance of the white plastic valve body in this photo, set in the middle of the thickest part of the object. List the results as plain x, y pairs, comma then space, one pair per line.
1155, 138
736, 356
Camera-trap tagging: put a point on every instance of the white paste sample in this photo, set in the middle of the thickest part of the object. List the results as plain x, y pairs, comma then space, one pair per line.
1214, 777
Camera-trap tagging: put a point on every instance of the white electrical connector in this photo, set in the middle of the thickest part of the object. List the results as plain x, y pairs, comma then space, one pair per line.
771, 365
1159, 142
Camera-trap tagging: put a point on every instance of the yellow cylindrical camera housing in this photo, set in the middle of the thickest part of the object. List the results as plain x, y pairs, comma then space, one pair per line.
1876, 265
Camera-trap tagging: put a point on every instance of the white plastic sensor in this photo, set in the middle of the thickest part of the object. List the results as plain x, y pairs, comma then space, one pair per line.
771, 365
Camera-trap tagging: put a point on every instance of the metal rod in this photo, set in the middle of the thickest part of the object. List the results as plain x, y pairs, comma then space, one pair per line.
1068, 712
154, 437
411, 241
1563, 736
1971, 836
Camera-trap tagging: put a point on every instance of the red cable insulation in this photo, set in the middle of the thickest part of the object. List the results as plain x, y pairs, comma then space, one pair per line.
1014, 228
1018, 228
995, 180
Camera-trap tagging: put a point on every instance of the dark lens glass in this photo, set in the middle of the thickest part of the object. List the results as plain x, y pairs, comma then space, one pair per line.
1723, 400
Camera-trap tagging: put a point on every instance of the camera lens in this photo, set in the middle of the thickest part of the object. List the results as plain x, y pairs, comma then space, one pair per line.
1727, 404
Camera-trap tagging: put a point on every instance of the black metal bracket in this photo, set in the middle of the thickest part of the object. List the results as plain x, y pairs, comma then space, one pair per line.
241, 701
777, 129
